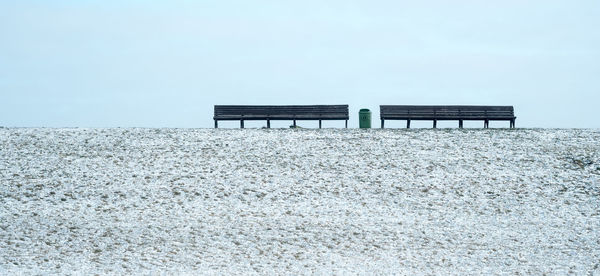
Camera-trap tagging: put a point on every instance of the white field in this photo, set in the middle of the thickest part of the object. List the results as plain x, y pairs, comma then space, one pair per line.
446, 201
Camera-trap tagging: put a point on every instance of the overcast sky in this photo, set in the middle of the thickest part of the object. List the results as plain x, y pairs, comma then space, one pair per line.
166, 63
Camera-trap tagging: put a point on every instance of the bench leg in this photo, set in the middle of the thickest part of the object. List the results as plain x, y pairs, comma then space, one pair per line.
346, 123
216, 124
512, 123
434, 123
382, 122
294, 123
486, 124
319, 123
268, 123
241, 123
460, 123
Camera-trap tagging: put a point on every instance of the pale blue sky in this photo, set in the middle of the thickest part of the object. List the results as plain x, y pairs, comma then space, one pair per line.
166, 63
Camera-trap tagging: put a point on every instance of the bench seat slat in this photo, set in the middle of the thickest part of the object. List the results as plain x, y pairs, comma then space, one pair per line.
281, 117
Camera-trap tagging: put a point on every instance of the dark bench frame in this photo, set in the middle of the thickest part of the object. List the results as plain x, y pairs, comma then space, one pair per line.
448, 112
280, 112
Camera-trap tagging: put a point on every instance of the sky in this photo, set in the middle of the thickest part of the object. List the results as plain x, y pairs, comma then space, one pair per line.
167, 63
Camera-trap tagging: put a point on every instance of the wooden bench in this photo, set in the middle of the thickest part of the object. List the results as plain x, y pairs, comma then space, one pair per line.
447, 112
280, 112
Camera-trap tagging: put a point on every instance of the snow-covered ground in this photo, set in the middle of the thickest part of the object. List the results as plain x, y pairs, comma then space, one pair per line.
420, 201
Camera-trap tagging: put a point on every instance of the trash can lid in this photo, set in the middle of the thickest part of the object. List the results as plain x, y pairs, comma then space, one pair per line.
365, 110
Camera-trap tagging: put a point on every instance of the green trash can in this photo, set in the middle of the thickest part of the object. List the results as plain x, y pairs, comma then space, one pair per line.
364, 118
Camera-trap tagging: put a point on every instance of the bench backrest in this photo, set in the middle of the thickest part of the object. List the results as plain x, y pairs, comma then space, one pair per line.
340, 111
446, 111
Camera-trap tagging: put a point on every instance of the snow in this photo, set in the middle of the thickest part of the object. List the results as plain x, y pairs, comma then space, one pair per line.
282, 201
